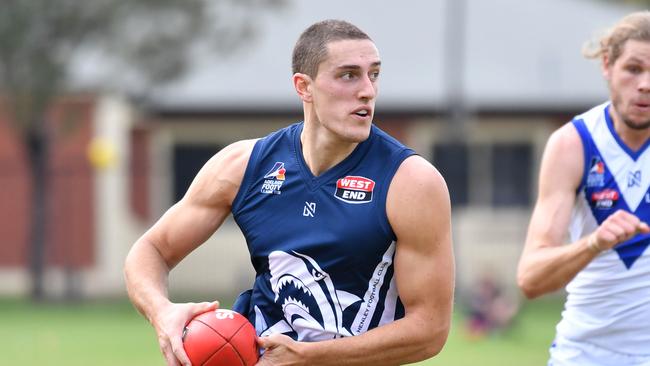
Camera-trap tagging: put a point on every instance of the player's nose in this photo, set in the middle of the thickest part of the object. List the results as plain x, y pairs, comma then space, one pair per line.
644, 82
367, 88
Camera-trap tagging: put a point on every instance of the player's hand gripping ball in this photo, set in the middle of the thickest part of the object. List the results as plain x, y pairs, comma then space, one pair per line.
220, 338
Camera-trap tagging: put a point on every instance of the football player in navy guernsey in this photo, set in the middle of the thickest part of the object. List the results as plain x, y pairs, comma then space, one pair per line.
593, 183
348, 230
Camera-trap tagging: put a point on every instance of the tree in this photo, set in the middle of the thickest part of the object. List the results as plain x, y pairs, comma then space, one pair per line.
644, 3
154, 39
641, 3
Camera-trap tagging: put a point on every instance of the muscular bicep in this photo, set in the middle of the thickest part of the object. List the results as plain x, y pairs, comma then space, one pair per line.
204, 207
560, 174
419, 212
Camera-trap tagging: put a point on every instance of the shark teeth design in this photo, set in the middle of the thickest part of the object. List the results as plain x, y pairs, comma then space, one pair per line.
288, 280
291, 301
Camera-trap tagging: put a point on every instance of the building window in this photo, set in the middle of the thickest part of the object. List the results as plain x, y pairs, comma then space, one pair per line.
452, 161
497, 175
188, 160
511, 174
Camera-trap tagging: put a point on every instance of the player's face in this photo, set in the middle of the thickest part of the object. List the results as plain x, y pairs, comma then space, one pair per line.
345, 89
629, 85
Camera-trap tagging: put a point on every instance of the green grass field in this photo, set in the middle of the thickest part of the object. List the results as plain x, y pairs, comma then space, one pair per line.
526, 343
113, 333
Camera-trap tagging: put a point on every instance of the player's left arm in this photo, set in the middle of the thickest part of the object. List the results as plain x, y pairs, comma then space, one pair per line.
419, 212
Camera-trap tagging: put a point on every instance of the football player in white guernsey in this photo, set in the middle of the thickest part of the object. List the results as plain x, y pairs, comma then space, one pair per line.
336, 80
593, 183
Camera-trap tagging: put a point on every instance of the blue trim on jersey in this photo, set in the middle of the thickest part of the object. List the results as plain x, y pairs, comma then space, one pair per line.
610, 124
632, 249
580, 126
251, 167
628, 251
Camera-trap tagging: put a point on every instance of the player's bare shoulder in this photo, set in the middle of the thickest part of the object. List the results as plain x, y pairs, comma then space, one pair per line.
563, 160
565, 140
417, 176
219, 179
417, 186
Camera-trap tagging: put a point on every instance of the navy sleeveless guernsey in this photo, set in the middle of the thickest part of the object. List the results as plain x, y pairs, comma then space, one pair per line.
322, 247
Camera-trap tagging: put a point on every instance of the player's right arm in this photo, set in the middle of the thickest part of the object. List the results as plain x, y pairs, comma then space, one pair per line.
546, 264
184, 227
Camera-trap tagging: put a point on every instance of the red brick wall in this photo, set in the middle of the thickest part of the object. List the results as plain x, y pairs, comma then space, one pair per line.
140, 170
14, 196
70, 203
71, 225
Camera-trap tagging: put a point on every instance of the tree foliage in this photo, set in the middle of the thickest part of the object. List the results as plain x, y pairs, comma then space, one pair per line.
641, 3
645, 3
146, 39
145, 42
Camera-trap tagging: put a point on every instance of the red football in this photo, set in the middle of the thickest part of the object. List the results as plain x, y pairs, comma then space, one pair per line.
220, 338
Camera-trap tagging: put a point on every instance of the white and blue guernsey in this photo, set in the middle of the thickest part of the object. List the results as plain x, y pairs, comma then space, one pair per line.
321, 246
608, 302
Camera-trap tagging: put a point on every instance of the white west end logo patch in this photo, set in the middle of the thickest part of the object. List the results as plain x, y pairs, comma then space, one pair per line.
626, 171
354, 189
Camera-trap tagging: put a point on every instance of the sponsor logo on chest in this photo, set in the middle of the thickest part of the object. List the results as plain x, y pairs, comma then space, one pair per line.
274, 179
354, 189
605, 198
596, 177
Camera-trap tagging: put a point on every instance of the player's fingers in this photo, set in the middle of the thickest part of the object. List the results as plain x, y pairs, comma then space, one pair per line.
266, 342
642, 227
624, 215
630, 225
629, 229
169, 356
616, 231
202, 307
262, 342
179, 351
607, 236
262, 362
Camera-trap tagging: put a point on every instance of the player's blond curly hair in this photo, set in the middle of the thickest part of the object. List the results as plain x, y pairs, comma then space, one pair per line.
634, 26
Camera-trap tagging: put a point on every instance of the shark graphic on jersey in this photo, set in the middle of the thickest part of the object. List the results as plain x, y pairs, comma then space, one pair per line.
312, 306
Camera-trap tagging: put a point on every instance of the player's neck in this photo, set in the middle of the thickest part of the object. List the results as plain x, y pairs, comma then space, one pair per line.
322, 149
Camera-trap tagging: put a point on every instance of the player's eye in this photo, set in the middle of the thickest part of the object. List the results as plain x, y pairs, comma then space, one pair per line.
374, 75
348, 75
634, 69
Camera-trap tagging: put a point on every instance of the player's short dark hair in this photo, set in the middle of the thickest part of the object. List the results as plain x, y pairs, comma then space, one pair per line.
311, 48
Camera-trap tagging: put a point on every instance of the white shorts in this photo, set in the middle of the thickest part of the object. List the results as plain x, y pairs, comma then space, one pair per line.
568, 353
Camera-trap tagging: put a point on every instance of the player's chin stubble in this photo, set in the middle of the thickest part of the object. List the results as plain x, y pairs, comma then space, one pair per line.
636, 126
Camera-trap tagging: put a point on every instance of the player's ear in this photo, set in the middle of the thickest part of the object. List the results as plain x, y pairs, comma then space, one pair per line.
605, 67
302, 83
